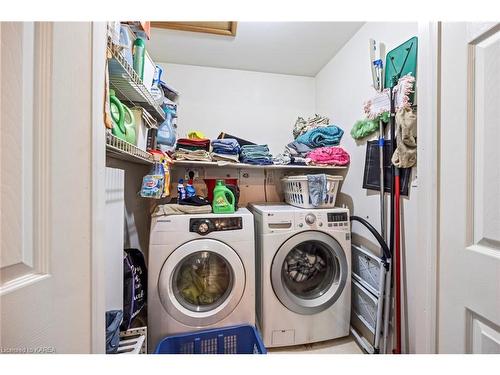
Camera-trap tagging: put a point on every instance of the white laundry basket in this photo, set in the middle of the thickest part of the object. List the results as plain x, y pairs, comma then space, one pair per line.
296, 190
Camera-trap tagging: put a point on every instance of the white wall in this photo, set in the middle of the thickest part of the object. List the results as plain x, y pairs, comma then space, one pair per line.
259, 107
342, 87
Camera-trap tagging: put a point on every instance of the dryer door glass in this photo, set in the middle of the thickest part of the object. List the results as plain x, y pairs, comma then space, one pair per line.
309, 269
202, 281
309, 272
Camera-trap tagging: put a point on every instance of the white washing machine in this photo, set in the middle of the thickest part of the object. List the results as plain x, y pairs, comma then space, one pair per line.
201, 273
303, 262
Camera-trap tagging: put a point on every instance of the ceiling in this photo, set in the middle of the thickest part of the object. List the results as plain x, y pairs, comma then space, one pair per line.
297, 48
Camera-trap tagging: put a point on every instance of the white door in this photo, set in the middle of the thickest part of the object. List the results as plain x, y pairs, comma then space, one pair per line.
469, 243
46, 185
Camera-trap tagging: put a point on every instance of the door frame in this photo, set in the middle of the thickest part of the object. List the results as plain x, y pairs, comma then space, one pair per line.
98, 164
428, 86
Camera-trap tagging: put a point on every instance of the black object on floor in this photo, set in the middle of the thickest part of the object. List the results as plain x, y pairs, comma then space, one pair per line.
371, 177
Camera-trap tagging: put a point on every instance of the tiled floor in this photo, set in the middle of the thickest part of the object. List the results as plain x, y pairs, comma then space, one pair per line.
345, 345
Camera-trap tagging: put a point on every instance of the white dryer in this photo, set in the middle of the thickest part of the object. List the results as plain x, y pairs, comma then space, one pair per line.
201, 273
303, 277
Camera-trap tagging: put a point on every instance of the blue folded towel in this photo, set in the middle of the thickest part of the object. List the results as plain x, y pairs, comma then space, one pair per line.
256, 154
320, 137
228, 146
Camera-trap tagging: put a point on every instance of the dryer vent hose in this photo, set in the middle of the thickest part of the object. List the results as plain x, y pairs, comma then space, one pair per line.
380, 240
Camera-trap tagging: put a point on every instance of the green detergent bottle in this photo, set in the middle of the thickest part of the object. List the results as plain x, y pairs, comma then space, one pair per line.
220, 203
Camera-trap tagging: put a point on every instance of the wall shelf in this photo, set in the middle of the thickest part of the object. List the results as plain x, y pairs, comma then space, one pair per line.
213, 164
119, 149
128, 86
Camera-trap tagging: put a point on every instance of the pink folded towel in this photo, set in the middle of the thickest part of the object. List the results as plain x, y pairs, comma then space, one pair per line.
329, 155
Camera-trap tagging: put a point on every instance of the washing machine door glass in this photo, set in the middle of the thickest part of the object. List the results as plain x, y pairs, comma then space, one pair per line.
201, 282
309, 272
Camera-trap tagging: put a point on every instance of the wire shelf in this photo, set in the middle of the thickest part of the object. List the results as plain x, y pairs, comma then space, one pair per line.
119, 149
128, 86
252, 166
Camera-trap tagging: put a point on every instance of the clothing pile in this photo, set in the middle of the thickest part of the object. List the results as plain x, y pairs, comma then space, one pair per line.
298, 152
301, 126
314, 134
315, 144
203, 280
192, 149
302, 265
328, 156
256, 154
320, 137
227, 149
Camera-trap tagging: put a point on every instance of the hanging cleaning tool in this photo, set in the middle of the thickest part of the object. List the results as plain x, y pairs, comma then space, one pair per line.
223, 202
377, 68
139, 56
399, 62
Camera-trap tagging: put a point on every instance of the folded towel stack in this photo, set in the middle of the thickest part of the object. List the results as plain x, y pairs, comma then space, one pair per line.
192, 149
328, 156
256, 154
297, 149
200, 155
321, 137
193, 144
226, 149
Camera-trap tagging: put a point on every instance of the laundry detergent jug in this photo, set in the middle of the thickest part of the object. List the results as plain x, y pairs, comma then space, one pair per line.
117, 115
123, 119
129, 122
166, 135
223, 202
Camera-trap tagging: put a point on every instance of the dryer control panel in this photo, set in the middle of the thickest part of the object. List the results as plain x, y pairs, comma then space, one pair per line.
205, 226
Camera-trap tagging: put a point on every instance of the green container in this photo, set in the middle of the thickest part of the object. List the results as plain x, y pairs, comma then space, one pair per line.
139, 56
117, 115
123, 119
223, 201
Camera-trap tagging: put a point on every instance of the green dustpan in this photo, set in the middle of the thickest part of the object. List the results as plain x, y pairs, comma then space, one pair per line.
401, 61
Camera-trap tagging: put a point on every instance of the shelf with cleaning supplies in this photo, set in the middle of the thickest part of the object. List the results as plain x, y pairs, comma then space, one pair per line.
128, 86
119, 149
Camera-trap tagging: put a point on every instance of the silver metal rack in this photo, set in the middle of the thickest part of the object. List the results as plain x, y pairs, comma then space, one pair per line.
128, 85
119, 149
133, 341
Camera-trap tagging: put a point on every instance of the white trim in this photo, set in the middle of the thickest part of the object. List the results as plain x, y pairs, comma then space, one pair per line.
428, 173
98, 50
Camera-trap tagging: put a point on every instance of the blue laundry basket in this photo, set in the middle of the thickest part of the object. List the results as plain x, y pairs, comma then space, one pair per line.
242, 339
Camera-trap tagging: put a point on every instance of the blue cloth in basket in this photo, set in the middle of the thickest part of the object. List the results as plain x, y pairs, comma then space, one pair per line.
317, 188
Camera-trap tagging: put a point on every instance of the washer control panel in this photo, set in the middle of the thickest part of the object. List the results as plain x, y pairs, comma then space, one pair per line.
204, 226
322, 219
